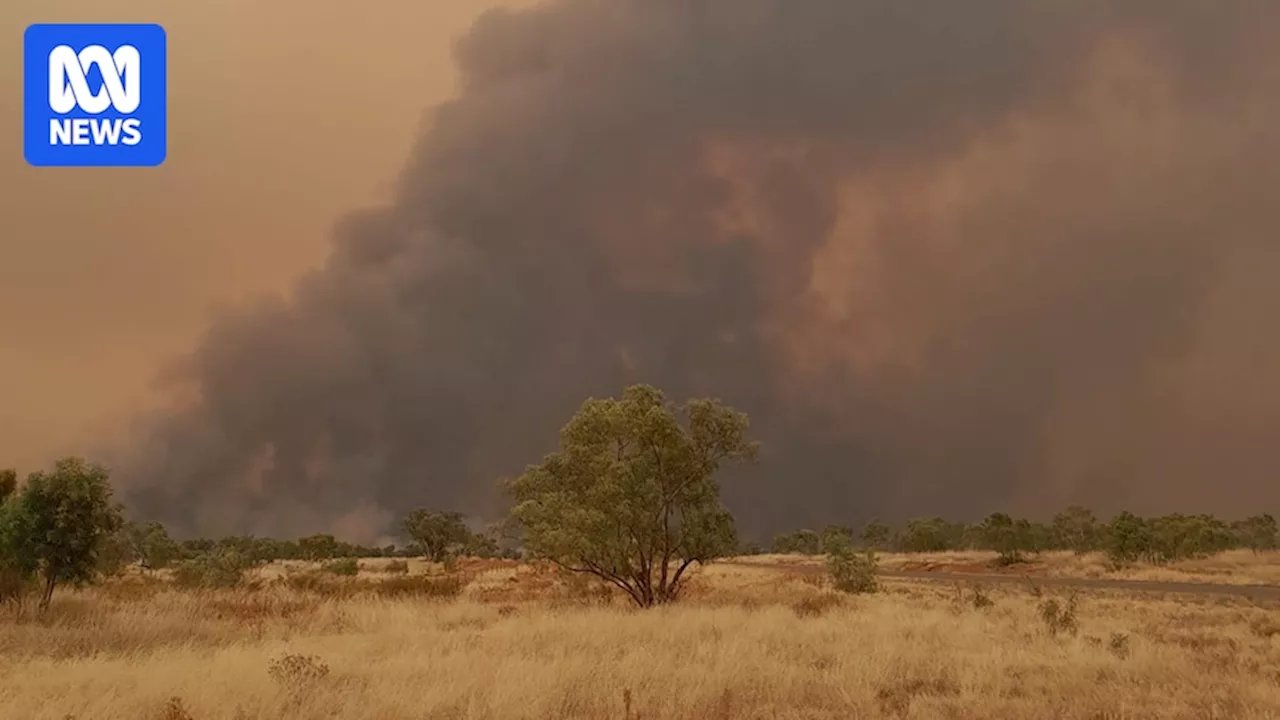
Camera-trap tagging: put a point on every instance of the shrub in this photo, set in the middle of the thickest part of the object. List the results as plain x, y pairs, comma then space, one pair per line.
295, 673
218, 570
800, 542
850, 571
1059, 617
1119, 645
348, 567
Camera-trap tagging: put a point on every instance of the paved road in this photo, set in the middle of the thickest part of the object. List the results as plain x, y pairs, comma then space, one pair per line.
1252, 592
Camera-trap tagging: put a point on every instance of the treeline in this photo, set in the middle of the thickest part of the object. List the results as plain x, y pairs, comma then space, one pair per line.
435, 536
62, 527
1126, 538
629, 497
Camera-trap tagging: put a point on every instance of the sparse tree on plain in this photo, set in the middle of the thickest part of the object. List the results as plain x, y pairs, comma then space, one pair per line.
1006, 536
439, 534
875, 534
318, 547
631, 495
1077, 528
1257, 533
57, 523
151, 545
800, 542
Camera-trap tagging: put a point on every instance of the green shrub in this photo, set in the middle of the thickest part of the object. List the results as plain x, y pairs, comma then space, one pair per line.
217, 570
850, 571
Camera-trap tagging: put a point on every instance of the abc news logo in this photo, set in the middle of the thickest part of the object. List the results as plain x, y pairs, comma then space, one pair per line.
69, 89
95, 95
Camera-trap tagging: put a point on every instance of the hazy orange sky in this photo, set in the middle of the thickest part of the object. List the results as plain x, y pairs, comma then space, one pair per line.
105, 273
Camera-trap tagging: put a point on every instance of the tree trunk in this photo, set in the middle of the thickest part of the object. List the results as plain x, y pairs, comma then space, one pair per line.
50, 578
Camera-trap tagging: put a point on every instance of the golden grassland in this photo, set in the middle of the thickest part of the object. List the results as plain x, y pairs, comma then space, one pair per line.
1237, 567
520, 641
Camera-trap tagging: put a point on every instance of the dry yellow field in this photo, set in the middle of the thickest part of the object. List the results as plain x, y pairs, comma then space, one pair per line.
520, 642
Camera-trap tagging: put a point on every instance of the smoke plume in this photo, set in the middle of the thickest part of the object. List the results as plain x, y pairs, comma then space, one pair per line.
950, 257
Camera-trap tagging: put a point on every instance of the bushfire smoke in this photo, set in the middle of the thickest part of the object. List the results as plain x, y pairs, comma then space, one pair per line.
950, 257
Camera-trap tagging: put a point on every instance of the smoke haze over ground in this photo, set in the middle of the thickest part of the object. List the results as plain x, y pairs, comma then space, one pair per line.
951, 258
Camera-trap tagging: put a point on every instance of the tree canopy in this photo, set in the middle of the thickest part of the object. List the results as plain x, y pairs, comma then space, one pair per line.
440, 534
57, 523
631, 495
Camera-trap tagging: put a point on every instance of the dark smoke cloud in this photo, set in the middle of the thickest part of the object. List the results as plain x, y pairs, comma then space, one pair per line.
950, 256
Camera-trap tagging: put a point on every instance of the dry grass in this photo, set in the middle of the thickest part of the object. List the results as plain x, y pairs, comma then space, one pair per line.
524, 642
1231, 567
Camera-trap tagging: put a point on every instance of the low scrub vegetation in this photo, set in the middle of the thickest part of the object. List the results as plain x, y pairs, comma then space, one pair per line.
630, 500
1126, 539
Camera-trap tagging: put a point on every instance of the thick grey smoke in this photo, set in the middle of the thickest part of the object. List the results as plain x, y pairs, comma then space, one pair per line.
951, 257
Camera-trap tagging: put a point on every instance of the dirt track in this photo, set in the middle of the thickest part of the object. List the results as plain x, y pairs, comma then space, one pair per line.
1252, 592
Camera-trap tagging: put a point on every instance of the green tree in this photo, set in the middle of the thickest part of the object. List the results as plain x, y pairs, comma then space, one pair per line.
318, 547
59, 521
481, 544
150, 545
875, 534
1257, 533
632, 491
837, 535
800, 542
929, 535
1128, 538
1005, 535
439, 534
15, 565
1076, 528
1182, 537
115, 552
1038, 537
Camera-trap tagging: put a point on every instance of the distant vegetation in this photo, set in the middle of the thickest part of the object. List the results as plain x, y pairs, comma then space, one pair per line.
629, 498
1125, 539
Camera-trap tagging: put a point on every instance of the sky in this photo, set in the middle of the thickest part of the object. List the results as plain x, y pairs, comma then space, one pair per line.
107, 273
951, 258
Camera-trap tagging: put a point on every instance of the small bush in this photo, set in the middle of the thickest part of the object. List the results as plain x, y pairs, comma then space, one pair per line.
1059, 617
212, 571
980, 598
852, 572
296, 673
1119, 645
347, 567
396, 567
